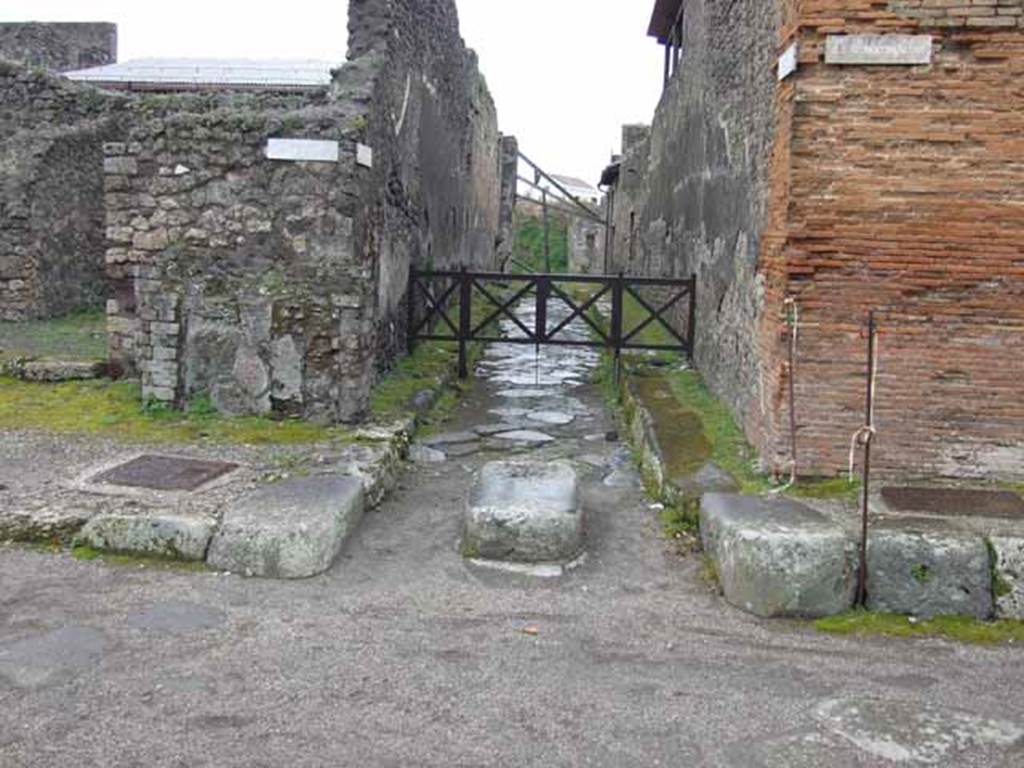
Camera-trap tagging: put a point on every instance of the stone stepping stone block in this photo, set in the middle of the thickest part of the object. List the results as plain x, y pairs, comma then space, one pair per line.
777, 557
450, 438
423, 454
1008, 573
554, 418
289, 530
525, 512
175, 536
928, 574
527, 436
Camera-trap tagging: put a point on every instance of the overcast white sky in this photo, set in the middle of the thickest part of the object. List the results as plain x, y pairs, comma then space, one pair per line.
566, 74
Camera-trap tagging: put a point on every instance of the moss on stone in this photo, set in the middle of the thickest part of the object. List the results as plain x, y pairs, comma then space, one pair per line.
114, 409
1000, 586
88, 554
958, 628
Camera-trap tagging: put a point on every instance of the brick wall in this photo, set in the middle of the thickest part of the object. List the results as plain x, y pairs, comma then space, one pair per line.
907, 196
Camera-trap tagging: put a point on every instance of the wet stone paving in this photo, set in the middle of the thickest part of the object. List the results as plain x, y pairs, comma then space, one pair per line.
534, 405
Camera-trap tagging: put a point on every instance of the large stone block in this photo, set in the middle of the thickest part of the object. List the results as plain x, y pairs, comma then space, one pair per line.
179, 537
290, 530
929, 573
1008, 576
523, 511
776, 557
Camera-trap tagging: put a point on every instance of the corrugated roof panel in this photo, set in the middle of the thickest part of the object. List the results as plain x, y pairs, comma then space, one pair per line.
269, 73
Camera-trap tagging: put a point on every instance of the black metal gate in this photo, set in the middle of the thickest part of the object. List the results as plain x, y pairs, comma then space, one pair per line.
446, 312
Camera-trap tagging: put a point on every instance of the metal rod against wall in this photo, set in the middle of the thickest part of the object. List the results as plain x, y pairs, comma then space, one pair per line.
547, 233
868, 433
465, 320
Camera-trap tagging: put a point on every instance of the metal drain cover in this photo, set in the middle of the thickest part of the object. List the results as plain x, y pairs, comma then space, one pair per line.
165, 473
955, 502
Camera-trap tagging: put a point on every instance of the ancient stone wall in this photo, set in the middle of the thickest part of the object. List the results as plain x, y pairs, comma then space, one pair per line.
702, 204
280, 286
51, 196
509, 172
59, 47
628, 253
586, 246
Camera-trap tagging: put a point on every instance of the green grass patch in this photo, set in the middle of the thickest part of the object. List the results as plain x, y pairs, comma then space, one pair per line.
79, 337
88, 554
633, 316
427, 368
961, 629
529, 243
677, 522
115, 410
726, 445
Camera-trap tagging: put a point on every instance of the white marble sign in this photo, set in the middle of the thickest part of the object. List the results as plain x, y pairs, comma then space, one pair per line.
303, 150
787, 62
364, 156
878, 49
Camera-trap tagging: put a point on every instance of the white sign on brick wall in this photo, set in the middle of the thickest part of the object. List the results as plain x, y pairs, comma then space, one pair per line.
878, 49
303, 150
787, 62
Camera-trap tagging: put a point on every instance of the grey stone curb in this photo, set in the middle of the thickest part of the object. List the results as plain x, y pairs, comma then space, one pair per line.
777, 557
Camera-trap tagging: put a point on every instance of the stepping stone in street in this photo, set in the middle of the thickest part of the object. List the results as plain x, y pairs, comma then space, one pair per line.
424, 454
486, 430
525, 512
524, 394
450, 438
526, 436
509, 413
624, 477
554, 418
289, 530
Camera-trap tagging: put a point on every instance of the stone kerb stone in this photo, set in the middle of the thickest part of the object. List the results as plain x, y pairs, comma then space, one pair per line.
776, 557
525, 512
178, 537
929, 574
289, 530
1008, 576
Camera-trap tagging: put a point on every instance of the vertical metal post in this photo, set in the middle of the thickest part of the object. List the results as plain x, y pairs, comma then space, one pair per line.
616, 329
465, 320
547, 235
692, 329
868, 432
410, 317
668, 64
541, 321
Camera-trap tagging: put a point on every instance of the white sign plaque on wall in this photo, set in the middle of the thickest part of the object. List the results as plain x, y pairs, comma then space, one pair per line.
787, 62
303, 150
878, 49
364, 156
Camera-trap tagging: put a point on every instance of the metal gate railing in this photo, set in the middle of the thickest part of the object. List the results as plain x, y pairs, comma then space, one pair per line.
448, 298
